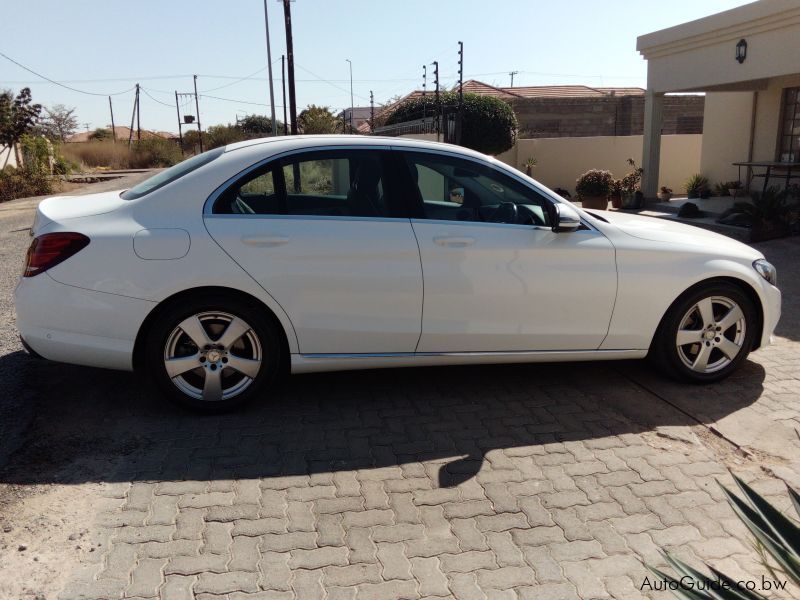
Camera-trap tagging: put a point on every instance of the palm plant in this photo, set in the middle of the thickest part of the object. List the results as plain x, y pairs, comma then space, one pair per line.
776, 539
695, 185
769, 214
529, 164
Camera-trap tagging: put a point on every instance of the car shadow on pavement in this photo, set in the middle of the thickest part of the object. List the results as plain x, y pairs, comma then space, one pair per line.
93, 425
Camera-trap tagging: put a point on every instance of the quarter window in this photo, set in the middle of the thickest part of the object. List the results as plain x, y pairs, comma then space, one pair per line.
790, 128
453, 189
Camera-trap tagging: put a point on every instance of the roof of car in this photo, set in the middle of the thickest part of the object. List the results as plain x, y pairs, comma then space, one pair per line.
310, 141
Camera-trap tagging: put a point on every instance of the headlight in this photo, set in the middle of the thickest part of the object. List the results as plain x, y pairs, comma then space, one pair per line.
766, 270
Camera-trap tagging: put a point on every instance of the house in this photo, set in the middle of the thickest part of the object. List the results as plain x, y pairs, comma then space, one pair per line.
361, 116
583, 111
747, 61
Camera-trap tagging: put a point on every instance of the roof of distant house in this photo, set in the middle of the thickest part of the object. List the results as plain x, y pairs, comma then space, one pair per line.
123, 133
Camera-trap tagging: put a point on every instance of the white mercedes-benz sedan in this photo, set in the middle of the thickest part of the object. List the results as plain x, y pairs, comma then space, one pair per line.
319, 253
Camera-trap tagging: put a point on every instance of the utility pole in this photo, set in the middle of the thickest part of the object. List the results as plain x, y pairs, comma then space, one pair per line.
269, 69
138, 117
351, 94
283, 85
438, 105
287, 16
460, 91
113, 127
180, 131
424, 78
371, 112
512, 73
133, 117
197, 107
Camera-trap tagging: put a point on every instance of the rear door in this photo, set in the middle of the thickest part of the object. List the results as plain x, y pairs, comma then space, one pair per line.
324, 233
496, 277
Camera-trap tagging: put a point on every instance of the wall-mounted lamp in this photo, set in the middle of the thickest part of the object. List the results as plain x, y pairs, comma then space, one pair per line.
741, 51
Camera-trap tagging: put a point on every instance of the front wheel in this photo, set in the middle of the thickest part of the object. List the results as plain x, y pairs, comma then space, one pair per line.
213, 353
706, 334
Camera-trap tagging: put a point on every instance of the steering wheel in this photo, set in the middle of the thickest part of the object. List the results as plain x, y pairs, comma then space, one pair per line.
507, 212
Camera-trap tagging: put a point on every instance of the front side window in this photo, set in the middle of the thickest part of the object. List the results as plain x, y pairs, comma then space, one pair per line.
789, 144
340, 183
453, 189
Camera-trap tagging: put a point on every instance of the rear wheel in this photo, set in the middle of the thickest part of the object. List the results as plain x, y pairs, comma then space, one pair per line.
213, 353
706, 334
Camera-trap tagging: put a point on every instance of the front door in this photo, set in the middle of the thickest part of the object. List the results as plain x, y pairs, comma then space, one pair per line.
324, 234
496, 277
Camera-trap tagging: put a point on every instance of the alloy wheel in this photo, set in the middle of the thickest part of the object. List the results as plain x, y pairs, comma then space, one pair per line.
213, 356
711, 334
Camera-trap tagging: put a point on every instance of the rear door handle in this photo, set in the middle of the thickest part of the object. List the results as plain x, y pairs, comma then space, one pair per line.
453, 241
266, 241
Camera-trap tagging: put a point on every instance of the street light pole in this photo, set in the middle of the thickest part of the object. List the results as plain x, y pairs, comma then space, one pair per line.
351, 94
269, 69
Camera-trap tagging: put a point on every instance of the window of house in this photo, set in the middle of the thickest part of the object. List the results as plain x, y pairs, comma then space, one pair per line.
452, 189
789, 143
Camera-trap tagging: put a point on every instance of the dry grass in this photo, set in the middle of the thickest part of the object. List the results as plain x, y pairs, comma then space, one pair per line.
107, 154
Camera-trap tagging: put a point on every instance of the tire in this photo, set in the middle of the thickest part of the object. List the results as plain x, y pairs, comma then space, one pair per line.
717, 322
213, 353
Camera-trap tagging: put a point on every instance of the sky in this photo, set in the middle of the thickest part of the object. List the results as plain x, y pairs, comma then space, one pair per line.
103, 47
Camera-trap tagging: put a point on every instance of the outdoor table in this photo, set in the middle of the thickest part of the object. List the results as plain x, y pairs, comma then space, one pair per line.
769, 166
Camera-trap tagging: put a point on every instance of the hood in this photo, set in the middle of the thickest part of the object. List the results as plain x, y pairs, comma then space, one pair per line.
672, 232
60, 208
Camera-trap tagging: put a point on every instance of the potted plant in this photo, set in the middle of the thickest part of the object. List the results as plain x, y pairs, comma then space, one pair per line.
695, 185
631, 196
665, 194
721, 189
616, 193
593, 188
529, 164
734, 187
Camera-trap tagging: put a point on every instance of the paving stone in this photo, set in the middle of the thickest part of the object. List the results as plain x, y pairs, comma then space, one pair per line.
588, 585
283, 542
308, 584
676, 535
397, 533
217, 538
432, 581
469, 508
168, 549
506, 552
275, 572
206, 500
394, 562
107, 589
544, 566
538, 536
119, 562
194, 565
300, 516
467, 562
146, 578
464, 586
339, 505
574, 527
405, 511
351, 575
502, 522
428, 547
362, 549
576, 551
506, 577
189, 524
177, 587
367, 518
227, 514
468, 534
273, 503
223, 583
147, 533
245, 554
318, 558
388, 590
259, 526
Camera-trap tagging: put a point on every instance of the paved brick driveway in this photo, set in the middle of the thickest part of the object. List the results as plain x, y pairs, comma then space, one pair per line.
544, 481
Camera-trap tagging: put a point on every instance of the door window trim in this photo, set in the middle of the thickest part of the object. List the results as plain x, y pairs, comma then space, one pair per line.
276, 163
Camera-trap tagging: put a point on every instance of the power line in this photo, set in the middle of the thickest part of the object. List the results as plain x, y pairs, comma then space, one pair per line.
61, 84
155, 99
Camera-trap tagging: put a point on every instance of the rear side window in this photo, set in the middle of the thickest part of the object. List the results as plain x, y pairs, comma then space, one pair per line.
337, 183
172, 174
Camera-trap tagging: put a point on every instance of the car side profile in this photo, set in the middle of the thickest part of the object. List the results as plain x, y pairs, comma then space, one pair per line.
319, 253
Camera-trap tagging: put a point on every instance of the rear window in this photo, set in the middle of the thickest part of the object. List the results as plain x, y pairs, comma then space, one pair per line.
172, 174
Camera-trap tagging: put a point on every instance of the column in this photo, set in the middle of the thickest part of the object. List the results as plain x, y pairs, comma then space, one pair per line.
651, 147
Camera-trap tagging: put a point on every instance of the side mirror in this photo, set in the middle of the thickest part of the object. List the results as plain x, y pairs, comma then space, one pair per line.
565, 218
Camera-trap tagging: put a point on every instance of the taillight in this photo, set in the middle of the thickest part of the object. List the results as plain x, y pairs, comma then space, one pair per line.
47, 250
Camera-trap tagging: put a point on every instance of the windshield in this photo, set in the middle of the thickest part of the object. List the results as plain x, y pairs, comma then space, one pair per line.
169, 175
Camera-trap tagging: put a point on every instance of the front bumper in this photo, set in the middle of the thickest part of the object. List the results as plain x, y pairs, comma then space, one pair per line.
78, 326
771, 304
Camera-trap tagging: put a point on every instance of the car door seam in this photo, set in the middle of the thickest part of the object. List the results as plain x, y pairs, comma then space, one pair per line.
422, 274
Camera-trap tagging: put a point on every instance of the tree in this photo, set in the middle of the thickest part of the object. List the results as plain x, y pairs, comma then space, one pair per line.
221, 135
317, 119
18, 115
100, 134
59, 123
489, 124
258, 125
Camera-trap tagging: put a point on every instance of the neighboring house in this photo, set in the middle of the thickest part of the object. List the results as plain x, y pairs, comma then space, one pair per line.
747, 60
583, 111
361, 115
123, 133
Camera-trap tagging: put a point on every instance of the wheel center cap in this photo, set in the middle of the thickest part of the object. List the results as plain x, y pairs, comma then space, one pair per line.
214, 356
710, 334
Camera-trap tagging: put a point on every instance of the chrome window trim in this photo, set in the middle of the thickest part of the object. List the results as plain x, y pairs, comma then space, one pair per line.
209, 203
307, 218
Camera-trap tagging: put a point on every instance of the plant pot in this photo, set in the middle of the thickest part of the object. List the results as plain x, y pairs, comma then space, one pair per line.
705, 194
768, 230
692, 195
594, 202
616, 200
632, 201
665, 196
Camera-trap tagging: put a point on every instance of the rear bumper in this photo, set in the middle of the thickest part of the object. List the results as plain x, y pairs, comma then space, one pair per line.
73, 325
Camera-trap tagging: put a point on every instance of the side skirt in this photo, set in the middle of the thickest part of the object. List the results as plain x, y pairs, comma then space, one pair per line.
315, 363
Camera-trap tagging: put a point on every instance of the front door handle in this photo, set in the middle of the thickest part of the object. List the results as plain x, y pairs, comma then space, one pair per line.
266, 241
453, 241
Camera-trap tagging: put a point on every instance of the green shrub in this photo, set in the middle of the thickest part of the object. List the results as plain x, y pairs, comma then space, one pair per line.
21, 183
489, 124
154, 153
594, 183
149, 153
